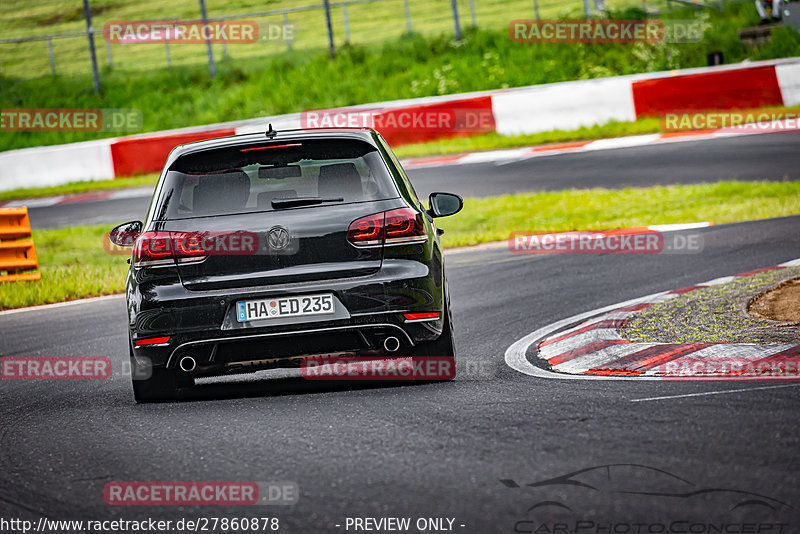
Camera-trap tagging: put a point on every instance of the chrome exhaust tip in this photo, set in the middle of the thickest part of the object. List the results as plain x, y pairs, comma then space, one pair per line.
187, 364
391, 344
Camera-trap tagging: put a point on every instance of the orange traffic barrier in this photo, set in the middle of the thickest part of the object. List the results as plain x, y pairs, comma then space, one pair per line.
17, 253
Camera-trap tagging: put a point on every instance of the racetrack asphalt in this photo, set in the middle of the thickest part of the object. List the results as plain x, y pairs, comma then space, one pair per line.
432, 450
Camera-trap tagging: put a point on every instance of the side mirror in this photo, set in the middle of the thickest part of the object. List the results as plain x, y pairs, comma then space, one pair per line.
444, 204
125, 234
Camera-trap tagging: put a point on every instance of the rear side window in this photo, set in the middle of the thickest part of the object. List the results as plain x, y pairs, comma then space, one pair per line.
248, 178
400, 170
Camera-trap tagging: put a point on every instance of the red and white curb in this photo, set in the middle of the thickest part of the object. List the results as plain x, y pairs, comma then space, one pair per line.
501, 157
594, 350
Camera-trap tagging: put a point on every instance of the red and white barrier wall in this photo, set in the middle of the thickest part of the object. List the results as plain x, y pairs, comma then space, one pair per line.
523, 110
788, 76
563, 106
56, 165
570, 105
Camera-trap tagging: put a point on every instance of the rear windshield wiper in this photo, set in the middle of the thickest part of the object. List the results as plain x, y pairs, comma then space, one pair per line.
302, 201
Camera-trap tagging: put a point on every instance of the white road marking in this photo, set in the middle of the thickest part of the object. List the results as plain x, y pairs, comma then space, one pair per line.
133, 192
34, 202
45, 307
718, 281
624, 142
743, 390
489, 157
536, 154
675, 227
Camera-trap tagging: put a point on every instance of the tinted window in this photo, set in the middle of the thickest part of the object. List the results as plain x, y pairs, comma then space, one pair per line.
248, 178
399, 168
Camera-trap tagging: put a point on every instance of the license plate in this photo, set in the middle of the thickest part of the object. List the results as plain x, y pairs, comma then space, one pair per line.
252, 310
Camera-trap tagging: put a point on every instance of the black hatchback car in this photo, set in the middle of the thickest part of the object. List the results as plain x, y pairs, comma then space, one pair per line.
259, 251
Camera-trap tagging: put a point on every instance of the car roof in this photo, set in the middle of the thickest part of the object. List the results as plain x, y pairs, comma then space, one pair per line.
363, 134
368, 135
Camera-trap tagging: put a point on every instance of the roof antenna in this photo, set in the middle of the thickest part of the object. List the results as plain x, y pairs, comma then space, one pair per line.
271, 133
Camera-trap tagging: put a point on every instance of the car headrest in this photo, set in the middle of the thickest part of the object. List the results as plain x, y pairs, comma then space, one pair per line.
265, 198
340, 180
221, 193
278, 173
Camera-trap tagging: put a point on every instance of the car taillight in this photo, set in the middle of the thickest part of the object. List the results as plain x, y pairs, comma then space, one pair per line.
396, 227
152, 341
164, 249
366, 231
153, 249
188, 247
424, 316
404, 226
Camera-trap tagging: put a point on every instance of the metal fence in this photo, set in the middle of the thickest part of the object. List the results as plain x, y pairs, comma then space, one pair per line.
305, 28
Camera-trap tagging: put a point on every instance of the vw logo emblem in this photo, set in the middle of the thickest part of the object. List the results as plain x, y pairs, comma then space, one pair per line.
278, 237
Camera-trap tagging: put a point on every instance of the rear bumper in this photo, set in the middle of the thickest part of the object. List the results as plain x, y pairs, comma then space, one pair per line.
279, 349
204, 325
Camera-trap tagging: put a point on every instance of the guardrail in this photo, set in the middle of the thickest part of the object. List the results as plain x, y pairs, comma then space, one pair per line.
17, 251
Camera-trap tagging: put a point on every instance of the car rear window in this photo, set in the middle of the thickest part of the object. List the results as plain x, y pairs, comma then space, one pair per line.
248, 178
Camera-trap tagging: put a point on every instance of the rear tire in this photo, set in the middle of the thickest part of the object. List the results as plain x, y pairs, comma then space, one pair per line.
445, 345
161, 384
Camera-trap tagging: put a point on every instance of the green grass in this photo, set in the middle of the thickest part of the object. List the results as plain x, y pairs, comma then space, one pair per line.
75, 265
713, 315
404, 67
493, 219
